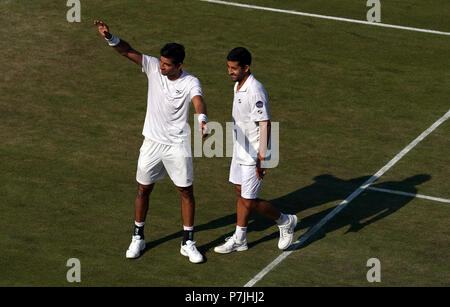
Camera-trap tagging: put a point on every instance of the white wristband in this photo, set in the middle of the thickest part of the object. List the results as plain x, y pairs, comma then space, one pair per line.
113, 41
202, 118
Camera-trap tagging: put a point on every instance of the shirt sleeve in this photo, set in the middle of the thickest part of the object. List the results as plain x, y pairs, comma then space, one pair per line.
259, 106
149, 64
196, 88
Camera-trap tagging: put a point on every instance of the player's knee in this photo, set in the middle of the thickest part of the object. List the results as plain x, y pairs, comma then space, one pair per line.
238, 191
186, 192
144, 190
250, 204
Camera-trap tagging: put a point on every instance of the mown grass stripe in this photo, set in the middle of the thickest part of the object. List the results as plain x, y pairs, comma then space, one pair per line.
378, 24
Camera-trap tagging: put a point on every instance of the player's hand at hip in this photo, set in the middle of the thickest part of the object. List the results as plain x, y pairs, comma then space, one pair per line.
260, 172
103, 29
204, 129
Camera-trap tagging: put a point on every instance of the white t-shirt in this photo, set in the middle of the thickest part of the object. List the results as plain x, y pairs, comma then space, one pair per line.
250, 105
166, 120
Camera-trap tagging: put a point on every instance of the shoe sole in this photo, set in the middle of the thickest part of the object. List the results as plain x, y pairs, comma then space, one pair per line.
134, 257
238, 249
186, 255
292, 229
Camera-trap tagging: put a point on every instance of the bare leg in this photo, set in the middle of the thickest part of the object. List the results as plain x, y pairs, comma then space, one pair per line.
187, 205
262, 207
266, 209
142, 201
245, 206
242, 211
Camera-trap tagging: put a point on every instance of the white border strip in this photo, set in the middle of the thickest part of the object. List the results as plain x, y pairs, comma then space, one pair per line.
442, 200
378, 24
344, 203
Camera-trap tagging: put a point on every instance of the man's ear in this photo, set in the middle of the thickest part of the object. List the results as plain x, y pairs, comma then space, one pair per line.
246, 68
180, 66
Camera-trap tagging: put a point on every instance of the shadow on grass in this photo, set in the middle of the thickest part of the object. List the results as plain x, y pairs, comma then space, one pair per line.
369, 207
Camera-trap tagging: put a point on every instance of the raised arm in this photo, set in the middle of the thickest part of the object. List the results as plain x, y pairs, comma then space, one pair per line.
120, 45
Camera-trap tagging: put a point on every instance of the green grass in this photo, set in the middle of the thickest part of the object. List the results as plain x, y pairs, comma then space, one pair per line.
348, 98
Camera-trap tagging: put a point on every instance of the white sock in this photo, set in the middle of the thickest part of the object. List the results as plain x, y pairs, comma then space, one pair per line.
241, 233
283, 219
188, 228
139, 224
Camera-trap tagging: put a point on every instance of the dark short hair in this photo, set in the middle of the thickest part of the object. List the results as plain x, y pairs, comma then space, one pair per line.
173, 51
240, 55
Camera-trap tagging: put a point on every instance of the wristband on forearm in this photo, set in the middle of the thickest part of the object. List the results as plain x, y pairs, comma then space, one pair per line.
113, 40
202, 118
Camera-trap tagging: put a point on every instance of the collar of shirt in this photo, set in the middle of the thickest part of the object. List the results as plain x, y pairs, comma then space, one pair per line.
245, 86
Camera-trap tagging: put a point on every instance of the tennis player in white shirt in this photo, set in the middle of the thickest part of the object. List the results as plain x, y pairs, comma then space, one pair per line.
251, 122
166, 147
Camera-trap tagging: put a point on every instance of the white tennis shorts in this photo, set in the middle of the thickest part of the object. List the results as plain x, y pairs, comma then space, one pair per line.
155, 159
245, 176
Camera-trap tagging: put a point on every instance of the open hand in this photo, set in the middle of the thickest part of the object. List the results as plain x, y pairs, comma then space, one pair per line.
103, 29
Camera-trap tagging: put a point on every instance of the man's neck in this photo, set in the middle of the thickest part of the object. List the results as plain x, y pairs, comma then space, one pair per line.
175, 76
241, 83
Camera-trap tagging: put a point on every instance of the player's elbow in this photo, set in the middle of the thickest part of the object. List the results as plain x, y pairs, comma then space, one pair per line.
124, 53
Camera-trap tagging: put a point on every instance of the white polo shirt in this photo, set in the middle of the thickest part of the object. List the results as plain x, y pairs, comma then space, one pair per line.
166, 120
250, 105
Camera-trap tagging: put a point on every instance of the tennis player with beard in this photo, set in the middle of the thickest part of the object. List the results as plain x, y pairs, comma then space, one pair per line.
251, 122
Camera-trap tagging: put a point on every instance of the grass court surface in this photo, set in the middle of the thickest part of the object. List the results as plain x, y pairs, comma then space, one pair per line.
348, 98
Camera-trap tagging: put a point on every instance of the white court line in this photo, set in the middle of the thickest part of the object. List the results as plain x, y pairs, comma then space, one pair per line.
378, 24
443, 200
344, 203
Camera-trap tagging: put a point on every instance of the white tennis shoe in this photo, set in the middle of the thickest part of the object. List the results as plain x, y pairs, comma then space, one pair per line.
136, 247
231, 244
189, 250
287, 232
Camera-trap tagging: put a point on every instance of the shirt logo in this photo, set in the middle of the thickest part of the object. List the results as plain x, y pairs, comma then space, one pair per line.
259, 104
178, 91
